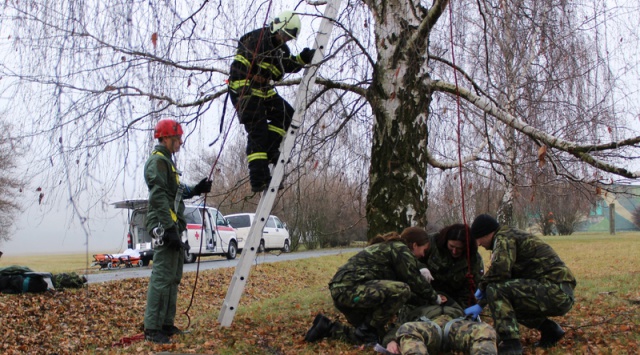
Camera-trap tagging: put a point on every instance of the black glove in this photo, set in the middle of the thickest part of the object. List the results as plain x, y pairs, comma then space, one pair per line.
307, 55
171, 239
203, 186
185, 245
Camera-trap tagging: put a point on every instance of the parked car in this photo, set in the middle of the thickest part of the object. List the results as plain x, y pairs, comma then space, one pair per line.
219, 236
275, 235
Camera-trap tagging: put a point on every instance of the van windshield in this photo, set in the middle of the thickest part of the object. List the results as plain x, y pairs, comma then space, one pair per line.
239, 221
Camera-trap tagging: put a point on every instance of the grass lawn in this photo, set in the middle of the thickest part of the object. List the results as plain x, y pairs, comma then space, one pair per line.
281, 299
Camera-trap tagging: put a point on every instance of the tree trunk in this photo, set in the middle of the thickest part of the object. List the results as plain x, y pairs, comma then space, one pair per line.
400, 96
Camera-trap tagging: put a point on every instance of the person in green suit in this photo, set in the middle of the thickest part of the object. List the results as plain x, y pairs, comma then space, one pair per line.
165, 221
372, 286
526, 283
448, 263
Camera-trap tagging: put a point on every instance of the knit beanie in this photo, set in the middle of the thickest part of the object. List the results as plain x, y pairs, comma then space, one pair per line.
483, 225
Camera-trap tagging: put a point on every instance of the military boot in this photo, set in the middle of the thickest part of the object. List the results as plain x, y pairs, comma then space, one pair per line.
367, 334
510, 347
550, 334
320, 329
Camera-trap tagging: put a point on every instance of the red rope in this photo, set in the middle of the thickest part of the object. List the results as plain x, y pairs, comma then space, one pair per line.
469, 274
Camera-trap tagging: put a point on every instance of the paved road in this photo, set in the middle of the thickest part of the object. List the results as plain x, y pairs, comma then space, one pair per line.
121, 274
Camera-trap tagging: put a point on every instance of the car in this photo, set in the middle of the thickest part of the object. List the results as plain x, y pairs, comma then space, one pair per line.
220, 238
275, 235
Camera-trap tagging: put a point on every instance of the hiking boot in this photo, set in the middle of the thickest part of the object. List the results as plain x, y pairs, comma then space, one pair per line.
367, 334
510, 347
550, 334
171, 330
156, 336
321, 328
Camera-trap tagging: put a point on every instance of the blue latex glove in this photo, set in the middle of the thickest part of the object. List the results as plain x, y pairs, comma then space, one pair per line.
479, 294
473, 311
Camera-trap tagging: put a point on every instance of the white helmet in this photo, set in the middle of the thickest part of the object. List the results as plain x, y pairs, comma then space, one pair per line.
288, 22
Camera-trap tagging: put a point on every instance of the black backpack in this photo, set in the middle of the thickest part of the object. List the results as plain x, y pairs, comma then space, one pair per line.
21, 279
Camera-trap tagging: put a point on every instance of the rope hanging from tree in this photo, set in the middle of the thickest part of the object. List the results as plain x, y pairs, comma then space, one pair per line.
469, 275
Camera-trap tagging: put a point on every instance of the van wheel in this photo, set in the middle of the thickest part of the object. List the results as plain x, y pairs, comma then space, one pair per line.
287, 247
189, 257
261, 247
232, 251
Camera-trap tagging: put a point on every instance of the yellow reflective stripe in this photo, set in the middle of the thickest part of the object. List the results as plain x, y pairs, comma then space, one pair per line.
257, 156
238, 83
262, 93
174, 216
240, 58
270, 67
278, 130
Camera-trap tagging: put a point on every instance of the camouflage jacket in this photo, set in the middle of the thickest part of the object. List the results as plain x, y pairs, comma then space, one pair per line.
519, 255
385, 261
449, 274
437, 314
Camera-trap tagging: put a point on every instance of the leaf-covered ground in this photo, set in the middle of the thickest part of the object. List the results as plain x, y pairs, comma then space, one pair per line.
279, 303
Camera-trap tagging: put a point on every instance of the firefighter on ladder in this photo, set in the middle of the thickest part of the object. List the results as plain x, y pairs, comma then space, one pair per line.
261, 59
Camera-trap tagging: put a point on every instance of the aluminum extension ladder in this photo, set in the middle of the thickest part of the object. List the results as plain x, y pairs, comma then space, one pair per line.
241, 275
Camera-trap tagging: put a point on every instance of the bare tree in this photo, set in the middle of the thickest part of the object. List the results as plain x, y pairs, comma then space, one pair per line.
10, 185
103, 73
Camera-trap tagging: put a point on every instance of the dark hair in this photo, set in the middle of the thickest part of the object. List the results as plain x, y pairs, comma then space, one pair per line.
416, 235
380, 238
459, 233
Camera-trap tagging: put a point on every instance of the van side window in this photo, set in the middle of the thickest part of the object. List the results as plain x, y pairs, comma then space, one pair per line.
242, 221
220, 221
271, 223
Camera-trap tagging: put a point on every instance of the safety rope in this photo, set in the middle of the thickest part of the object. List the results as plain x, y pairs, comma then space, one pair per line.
469, 275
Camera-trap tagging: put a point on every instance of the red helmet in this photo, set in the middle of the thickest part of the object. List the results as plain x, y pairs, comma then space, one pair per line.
167, 128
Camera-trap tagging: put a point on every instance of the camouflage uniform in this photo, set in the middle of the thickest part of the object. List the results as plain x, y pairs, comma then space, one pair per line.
372, 286
526, 282
450, 275
436, 329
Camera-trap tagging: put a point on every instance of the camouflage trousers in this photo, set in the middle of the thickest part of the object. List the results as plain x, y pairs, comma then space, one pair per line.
373, 302
528, 302
444, 335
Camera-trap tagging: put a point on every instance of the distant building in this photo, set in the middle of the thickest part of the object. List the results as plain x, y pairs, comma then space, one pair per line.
626, 199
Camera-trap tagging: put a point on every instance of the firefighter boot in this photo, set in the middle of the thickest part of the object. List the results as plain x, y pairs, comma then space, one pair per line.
259, 175
550, 334
321, 328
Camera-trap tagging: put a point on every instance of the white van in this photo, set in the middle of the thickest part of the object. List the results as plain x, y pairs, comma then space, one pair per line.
275, 235
219, 236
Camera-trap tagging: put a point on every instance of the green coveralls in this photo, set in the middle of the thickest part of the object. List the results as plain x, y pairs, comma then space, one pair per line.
526, 282
163, 180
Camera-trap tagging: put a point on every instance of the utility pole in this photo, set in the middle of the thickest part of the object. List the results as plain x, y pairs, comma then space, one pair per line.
241, 274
